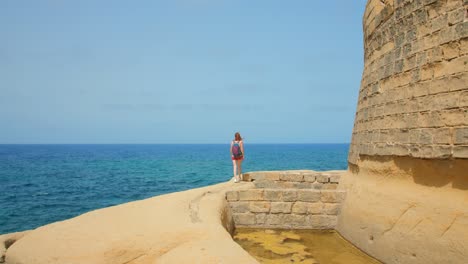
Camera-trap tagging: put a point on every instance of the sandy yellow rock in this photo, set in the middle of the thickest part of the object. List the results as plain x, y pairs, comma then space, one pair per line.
184, 227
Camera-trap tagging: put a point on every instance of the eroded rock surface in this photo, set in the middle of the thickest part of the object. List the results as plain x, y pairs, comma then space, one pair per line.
184, 227
7, 240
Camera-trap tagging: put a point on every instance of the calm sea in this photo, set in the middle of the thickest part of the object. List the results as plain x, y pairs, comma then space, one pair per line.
40, 184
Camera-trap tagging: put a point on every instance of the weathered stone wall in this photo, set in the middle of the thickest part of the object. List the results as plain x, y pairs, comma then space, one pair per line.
289, 201
413, 99
407, 186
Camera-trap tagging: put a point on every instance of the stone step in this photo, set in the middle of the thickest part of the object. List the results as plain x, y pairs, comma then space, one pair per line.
287, 195
267, 184
308, 176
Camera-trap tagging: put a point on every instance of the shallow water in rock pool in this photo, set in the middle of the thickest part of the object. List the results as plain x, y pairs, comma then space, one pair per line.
300, 246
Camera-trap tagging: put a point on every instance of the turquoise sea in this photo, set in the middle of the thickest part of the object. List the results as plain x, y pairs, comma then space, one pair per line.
40, 184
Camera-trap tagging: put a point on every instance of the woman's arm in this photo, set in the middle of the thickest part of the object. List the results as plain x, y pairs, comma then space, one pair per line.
230, 149
242, 148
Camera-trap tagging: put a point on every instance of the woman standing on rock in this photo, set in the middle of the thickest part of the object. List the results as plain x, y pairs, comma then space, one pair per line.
237, 156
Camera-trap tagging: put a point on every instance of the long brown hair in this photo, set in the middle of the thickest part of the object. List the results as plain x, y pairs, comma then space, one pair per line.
237, 137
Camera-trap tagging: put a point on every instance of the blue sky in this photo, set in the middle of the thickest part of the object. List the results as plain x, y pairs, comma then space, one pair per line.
181, 71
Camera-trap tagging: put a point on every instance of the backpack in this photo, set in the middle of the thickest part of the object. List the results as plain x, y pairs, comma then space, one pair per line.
236, 150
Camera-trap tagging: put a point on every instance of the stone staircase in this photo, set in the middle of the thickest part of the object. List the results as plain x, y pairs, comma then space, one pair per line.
288, 199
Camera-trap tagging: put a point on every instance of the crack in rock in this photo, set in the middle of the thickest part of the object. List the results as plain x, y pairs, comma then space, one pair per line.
398, 219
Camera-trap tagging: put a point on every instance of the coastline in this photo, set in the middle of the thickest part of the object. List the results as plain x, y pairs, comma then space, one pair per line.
73, 180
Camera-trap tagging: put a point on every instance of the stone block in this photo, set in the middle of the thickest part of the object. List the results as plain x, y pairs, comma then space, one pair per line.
435, 56
332, 196
402, 136
281, 207
268, 176
463, 100
266, 184
463, 46
232, 196
251, 195
442, 136
259, 207
426, 73
244, 219
239, 207
308, 195
303, 185
289, 196
438, 86
399, 40
383, 137
247, 177
450, 50
300, 208
291, 176
414, 150
274, 219
420, 16
407, 48
453, 4
295, 220
454, 117
399, 149
454, 66
260, 219
315, 208
331, 208
461, 136
428, 119
322, 177
424, 29
309, 176
424, 151
335, 178
425, 136
421, 58
273, 195
439, 22
461, 30
285, 184
319, 186
397, 55
411, 34
330, 186
460, 152
457, 82
441, 152
322, 221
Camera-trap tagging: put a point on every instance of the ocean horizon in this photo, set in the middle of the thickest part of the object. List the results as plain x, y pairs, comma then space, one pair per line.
45, 183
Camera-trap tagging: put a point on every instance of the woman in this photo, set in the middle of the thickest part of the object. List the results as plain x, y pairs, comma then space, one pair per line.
237, 156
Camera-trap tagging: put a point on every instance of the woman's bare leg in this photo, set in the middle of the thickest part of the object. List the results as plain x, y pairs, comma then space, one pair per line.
234, 168
239, 169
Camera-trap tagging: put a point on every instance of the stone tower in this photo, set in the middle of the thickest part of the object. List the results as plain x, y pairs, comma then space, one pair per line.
408, 161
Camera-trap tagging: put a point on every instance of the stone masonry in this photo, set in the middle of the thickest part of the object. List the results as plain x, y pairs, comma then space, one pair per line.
289, 199
406, 190
413, 99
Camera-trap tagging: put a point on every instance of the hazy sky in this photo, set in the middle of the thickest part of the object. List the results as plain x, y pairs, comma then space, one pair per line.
181, 71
